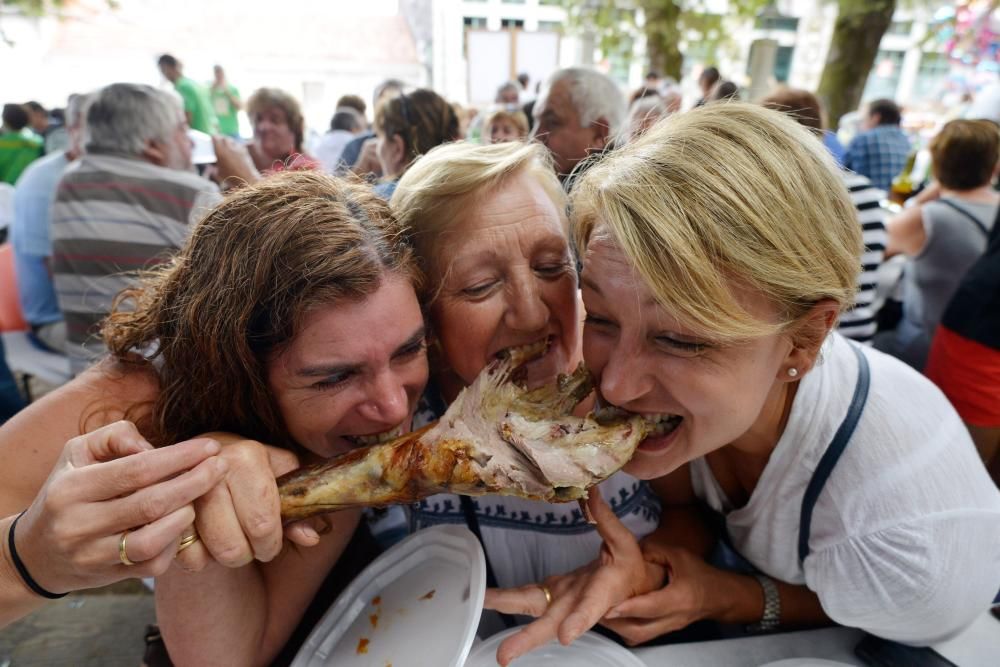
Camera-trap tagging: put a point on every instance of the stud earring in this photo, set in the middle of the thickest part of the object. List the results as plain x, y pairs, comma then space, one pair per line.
793, 372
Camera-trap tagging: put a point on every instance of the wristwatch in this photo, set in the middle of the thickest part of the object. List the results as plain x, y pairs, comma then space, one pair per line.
772, 606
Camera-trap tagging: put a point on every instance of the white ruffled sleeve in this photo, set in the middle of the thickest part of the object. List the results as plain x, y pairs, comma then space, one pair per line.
918, 582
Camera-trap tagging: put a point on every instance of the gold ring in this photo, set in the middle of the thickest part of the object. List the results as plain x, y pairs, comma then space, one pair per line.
548, 594
122, 553
187, 541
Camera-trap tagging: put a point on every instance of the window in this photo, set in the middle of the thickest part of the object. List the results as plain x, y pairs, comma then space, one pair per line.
782, 62
884, 77
511, 23
513, 2
550, 26
550, 2
789, 23
900, 28
474, 21
934, 69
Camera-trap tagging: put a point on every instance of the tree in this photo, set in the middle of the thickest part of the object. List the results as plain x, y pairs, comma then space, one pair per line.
665, 24
856, 35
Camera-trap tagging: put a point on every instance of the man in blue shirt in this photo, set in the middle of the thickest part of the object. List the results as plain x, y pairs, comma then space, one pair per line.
29, 234
880, 151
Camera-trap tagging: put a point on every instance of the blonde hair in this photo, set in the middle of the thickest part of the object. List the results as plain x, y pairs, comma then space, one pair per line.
725, 197
442, 187
517, 118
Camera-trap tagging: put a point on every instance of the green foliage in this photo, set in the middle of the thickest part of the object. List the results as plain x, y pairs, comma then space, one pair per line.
667, 24
34, 7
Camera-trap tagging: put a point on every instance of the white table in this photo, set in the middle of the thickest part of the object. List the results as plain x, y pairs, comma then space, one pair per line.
978, 646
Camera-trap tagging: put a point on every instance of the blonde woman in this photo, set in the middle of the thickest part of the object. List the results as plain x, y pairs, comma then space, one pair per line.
488, 225
718, 251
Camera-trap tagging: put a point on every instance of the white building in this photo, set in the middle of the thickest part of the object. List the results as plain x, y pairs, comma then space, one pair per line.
905, 69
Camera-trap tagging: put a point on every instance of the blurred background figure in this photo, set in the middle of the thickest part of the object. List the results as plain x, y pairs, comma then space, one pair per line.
577, 114
278, 132
30, 234
226, 103
197, 105
880, 150
858, 322
525, 80
643, 114
19, 146
345, 125
406, 127
503, 125
39, 119
706, 82
942, 237
508, 94
724, 90
138, 151
356, 157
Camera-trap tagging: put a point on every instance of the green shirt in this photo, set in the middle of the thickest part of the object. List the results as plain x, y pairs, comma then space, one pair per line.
225, 110
17, 151
197, 105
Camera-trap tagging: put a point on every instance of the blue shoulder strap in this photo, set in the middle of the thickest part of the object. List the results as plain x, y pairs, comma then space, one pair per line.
833, 451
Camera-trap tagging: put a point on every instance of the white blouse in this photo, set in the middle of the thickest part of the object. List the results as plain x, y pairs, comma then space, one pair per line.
905, 538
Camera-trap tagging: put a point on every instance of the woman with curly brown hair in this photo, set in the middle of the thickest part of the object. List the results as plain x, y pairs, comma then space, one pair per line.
252, 329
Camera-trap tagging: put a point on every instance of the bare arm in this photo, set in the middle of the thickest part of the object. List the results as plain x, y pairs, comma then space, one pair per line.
254, 608
906, 233
32, 441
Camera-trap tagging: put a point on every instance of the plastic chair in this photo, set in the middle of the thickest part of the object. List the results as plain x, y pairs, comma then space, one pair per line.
11, 318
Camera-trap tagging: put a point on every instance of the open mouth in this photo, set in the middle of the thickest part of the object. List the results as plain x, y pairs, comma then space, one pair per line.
522, 354
374, 438
657, 425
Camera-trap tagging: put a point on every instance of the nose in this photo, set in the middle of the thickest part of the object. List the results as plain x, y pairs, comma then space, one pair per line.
526, 309
624, 378
387, 402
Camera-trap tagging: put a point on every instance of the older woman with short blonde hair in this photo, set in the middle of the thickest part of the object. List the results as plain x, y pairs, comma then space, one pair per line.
718, 251
489, 227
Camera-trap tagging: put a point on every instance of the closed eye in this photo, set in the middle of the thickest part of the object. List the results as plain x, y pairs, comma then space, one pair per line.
480, 290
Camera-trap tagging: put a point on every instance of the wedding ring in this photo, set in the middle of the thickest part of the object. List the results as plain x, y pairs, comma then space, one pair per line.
187, 541
122, 553
548, 595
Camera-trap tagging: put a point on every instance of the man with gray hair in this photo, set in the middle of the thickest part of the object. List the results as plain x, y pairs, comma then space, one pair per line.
578, 113
127, 204
30, 238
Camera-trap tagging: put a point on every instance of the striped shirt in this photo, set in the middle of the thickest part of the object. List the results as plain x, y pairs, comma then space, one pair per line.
112, 216
859, 322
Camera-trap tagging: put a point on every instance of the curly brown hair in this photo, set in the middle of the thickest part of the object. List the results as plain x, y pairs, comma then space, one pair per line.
263, 99
208, 321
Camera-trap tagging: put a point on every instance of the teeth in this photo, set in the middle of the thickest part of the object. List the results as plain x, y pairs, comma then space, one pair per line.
521, 353
662, 424
375, 439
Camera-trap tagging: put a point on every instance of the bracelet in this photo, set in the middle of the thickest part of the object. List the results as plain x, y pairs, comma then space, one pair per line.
22, 570
772, 606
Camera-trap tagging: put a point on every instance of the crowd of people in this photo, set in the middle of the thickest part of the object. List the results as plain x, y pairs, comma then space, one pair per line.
716, 268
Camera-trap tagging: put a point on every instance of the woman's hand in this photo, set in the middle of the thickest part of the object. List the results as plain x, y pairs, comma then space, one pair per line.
239, 520
233, 164
579, 599
105, 483
694, 591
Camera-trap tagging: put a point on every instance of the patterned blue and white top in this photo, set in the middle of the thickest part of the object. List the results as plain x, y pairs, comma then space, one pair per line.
529, 540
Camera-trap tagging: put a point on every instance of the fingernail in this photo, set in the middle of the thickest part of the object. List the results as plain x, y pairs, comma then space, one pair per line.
221, 466
614, 613
212, 447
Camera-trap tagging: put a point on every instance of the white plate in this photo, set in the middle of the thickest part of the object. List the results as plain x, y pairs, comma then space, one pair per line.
806, 662
590, 650
417, 604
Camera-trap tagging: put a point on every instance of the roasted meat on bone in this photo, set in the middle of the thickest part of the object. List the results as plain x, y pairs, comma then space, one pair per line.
495, 438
